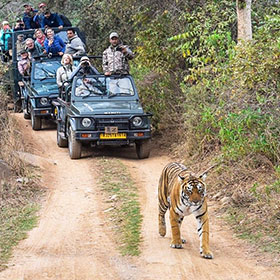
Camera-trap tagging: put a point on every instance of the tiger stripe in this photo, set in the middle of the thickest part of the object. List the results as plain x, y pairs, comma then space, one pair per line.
183, 194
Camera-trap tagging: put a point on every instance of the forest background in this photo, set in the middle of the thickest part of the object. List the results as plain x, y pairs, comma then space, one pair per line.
216, 99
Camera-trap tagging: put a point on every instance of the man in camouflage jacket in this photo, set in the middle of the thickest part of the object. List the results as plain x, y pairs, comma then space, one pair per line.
116, 56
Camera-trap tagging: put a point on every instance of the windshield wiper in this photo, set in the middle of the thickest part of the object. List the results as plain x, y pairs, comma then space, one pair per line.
92, 92
119, 93
49, 74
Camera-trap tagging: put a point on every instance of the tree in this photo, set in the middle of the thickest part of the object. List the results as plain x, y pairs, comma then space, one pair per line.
244, 29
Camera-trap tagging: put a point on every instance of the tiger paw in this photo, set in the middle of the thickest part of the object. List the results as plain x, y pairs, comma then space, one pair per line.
207, 255
176, 246
162, 231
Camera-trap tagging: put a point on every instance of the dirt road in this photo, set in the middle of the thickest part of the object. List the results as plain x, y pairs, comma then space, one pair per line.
73, 240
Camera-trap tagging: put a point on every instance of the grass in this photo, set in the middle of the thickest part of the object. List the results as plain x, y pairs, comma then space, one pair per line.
15, 223
18, 199
263, 234
123, 205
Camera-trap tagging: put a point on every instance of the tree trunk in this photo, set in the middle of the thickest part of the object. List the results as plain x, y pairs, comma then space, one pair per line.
244, 23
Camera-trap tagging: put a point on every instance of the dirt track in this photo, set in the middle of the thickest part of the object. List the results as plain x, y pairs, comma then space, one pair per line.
73, 240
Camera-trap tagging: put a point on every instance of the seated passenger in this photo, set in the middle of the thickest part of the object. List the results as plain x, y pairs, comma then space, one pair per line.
51, 20
19, 25
24, 64
39, 42
28, 17
63, 73
20, 44
31, 48
74, 46
87, 88
84, 68
54, 44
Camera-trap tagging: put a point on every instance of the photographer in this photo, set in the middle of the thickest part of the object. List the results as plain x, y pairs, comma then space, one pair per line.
19, 25
84, 68
116, 56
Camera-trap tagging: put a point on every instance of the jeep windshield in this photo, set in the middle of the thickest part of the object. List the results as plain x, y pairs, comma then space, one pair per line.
46, 69
104, 86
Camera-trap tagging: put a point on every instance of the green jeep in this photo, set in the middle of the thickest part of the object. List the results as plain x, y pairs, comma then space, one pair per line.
40, 90
102, 110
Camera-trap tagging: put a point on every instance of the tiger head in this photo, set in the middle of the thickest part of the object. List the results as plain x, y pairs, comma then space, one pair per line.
193, 188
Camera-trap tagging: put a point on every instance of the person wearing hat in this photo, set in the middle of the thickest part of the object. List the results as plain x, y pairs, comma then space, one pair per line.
24, 64
19, 25
51, 20
20, 44
116, 56
84, 68
5, 39
40, 14
29, 17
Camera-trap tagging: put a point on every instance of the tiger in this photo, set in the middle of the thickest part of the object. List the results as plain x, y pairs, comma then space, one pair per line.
183, 193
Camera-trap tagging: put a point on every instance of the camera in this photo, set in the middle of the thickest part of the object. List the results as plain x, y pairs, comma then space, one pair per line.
21, 25
85, 63
119, 48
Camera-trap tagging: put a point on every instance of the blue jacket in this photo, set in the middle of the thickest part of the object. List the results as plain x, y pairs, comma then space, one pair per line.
4, 39
57, 45
29, 21
53, 21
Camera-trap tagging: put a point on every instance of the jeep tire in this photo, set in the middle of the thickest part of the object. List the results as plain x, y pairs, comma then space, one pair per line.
36, 122
61, 142
74, 146
143, 148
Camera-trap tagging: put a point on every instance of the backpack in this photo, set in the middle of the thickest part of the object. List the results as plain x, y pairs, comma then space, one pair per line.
66, 21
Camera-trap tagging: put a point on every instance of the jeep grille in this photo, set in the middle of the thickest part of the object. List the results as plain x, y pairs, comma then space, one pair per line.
121, 123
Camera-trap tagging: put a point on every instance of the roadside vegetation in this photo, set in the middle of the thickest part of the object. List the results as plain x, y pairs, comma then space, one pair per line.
19, 193
218, 101
121, 195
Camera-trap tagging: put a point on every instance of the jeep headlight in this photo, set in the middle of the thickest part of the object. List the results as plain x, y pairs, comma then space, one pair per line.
86, 122
44, 101
137, 121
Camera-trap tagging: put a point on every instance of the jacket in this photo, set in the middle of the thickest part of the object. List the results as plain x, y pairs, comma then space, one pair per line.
63, 74
115, 61
53, 21
75, 46
29, 20
24, 67
56, 47
5, 36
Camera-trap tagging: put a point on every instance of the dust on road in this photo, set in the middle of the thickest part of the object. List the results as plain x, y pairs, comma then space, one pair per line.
74, 241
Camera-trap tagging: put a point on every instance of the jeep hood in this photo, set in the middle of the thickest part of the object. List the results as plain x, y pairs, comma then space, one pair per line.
46, 88
107, 108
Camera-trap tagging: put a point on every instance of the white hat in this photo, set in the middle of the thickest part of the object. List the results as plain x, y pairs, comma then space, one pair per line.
84, 58
5, 22
114, 34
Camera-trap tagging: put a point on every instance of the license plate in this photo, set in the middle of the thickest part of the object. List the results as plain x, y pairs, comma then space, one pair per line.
113, 136
111, 129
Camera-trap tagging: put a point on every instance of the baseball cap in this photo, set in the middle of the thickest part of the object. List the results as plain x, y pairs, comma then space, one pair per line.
84, 58
26, 4
5, 22
114, 34
23, 51
42, 5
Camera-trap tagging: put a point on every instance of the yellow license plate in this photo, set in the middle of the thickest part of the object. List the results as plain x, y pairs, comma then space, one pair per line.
113, 136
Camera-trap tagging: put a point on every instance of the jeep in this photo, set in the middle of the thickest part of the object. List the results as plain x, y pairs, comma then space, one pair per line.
102, 110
